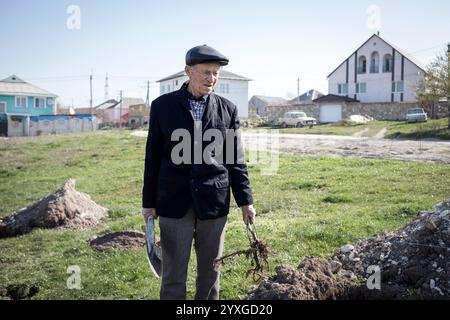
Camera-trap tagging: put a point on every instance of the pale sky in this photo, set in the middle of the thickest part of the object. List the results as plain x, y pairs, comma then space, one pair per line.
271, 42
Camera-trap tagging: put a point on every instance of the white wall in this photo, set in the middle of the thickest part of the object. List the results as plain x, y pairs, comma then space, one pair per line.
172, 84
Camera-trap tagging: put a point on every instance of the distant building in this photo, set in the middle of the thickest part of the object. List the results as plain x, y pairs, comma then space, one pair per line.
230, 86
20, 100
18, 97
138, 115
377, 71
258, 104
110, 111
307, 97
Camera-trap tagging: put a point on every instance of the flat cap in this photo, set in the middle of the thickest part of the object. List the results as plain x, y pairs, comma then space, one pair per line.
204, 54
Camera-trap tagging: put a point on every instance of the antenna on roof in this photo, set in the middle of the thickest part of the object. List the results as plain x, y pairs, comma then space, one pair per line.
378, 33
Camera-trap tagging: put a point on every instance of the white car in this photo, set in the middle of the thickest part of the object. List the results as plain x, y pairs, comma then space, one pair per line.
296, 118
415, 115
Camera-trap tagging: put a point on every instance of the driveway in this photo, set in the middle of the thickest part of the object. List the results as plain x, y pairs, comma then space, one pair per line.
426, 150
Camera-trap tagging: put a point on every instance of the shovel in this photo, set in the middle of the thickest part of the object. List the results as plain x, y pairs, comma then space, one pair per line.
153, 249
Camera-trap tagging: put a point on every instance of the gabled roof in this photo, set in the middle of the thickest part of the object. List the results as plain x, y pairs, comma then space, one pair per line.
126, 103
129, 101
308, 96
401, 51
107, 104
334, 98
223, 75
13, 85
271, 100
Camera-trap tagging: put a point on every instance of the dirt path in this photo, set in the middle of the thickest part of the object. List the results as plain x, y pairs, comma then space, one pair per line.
360, 133
344, 146
380, 134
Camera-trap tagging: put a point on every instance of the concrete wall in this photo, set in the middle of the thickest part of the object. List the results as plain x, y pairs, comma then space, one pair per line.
40, 125
379, 111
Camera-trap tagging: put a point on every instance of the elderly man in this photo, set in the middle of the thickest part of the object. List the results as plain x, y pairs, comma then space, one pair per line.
192, 196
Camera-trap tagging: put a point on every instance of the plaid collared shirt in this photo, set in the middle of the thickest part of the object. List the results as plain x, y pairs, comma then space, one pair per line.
197, 107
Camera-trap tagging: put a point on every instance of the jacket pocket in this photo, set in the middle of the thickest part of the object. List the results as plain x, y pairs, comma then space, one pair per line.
221, 183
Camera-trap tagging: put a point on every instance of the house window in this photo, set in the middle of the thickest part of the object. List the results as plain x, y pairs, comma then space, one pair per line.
397, 86
387, 63
168, 88
361, 87
2, 107
362, 65
21, 102
176, 82
375, 63
39, 102
162, 89
343, 88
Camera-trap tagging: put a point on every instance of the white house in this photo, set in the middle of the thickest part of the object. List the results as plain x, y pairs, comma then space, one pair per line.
377, 72
230, 86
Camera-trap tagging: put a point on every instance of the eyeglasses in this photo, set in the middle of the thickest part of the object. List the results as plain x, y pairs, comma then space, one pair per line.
207, 73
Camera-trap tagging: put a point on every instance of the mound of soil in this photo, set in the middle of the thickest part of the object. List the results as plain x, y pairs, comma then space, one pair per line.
414, 259
65, 208
119, 240
413, 262
313, 279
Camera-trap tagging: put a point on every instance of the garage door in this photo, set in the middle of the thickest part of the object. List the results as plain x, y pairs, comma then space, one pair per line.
330, 113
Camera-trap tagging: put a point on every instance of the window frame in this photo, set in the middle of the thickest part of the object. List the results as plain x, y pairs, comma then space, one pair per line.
341, 86
358, 87
37, 99
21, 97
396, 85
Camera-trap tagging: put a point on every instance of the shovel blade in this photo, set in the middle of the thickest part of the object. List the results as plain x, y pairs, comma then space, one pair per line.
152, 249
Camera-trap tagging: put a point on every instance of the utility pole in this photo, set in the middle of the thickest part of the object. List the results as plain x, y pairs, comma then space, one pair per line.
106, 88
120, 110
448, 83
90, 101
148, 92
298, 90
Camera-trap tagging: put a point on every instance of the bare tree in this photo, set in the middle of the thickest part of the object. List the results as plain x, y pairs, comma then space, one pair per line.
436, 84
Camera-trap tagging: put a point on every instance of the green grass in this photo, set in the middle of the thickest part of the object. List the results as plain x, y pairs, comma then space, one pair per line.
395, 129
312, 206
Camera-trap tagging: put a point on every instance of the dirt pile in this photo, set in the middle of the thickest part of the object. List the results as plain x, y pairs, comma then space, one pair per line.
313, 279
415, 260
65, 208
119, 240
410, 263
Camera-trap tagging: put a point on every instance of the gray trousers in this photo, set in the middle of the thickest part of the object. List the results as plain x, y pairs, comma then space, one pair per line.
176, 242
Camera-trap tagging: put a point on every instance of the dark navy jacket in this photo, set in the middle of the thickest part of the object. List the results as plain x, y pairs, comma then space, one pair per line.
172, 188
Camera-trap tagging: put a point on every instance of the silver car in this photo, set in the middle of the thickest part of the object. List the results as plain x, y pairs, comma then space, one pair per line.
416, 115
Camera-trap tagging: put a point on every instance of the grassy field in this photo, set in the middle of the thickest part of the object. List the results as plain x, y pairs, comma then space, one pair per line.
311, 207
395, 129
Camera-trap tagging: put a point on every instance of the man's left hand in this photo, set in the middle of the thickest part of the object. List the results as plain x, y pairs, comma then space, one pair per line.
248, 214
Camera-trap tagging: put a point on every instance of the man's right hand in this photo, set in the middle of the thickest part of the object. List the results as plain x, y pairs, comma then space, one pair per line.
147, 212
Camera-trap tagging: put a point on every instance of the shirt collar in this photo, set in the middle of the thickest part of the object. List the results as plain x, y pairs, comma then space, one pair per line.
190, 96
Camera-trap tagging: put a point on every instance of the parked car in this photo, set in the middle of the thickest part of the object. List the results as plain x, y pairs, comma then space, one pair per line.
415, 115
296, 118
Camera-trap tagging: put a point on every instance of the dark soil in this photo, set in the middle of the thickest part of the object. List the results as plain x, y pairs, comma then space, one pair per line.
65, 208
413, 263
119, 240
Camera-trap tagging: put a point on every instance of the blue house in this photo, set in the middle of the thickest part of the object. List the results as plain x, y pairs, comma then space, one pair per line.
19, 101
20, 98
